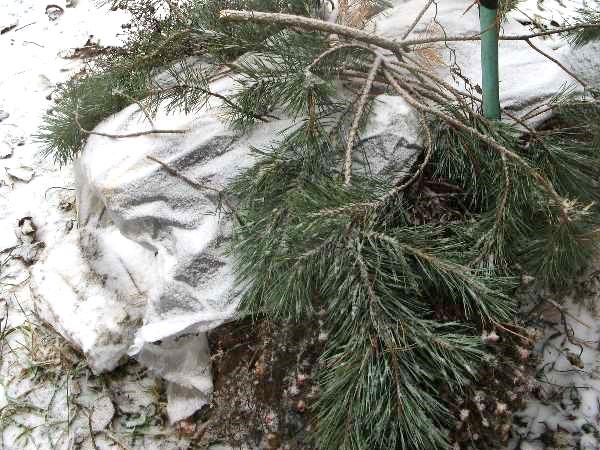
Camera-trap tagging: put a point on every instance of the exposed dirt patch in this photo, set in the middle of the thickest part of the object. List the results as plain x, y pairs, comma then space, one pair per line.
265, 386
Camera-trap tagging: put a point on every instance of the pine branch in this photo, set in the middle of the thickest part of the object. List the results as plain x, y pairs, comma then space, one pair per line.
353, 33
493, 144
581, 36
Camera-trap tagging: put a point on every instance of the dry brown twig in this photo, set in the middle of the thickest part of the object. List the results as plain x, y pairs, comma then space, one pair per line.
195, 184
417, 19
558, 63
388, 44
357, 118
123, 136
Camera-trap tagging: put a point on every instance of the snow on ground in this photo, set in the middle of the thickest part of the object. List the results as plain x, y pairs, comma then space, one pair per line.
48, 396
564, 409
49, 399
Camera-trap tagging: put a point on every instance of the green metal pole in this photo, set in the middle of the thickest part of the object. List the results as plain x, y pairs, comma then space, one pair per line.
488, 13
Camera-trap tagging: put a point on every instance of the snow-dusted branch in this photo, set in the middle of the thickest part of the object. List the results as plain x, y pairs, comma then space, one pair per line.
308, 23
502, 150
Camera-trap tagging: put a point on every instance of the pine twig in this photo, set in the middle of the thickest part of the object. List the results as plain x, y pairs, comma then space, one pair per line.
417, 19
558, 63
123, 136
357, 117
396, 46
171, 170
160, 47
499, 214
364, 275
423, 166
209, 93
195, 184
328, 52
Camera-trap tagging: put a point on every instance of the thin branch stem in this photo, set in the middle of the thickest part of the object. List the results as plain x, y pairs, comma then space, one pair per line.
523, 37
195, 184
328, 52
308, 23
206, 92
417, 19
140, 105
357, 118
499, 213
123, 136
558, 63
171, 170
426, 159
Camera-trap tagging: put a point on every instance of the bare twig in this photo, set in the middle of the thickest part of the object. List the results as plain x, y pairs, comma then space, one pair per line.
140, 105
173, 171
522, 37
309, 24
558, 63
566, 312
418, 68
417, 19
24, 26
502, 327
357, 117
195, 184
536, 111
122, 136
389, 44
426, 159
92, 434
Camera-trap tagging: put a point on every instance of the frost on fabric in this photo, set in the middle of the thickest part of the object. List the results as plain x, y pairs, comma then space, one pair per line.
155, 247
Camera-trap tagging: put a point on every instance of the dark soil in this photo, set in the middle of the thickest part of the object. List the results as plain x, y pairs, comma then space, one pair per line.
265, 386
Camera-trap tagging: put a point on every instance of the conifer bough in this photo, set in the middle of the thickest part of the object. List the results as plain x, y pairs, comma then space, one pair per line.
292, 20
410, 267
